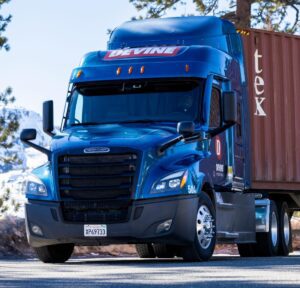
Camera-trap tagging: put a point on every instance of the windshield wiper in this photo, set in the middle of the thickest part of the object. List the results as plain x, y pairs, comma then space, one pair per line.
121, 122
85, 124
146, 121
139, 121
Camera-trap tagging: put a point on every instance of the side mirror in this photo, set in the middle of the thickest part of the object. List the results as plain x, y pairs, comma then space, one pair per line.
229, 113
48, 125
186, 128
229, 107
28, 134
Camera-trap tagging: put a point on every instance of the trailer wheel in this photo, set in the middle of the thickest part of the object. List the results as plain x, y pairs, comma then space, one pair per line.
285, 230
145, 250
246, 249
205, 232
267, 243
58, 253
164, 251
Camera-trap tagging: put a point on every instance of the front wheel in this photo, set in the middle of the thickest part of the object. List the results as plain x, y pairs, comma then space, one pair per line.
145, 250
205, 232
246, 249
58, 253
164, 250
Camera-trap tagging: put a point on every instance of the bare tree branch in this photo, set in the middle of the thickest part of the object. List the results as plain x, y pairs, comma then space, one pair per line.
244, 13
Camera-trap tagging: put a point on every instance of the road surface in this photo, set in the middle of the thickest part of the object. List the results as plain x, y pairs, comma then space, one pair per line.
221, 271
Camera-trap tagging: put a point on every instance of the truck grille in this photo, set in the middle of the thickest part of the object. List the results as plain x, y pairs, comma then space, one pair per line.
96, 187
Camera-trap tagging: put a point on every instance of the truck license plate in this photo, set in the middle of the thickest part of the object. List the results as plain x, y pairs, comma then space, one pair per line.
95, 230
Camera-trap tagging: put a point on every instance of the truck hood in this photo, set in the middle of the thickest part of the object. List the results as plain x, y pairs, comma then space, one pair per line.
135, 136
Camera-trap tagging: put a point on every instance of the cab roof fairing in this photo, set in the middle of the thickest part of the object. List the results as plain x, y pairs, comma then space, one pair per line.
202, 61
193, 30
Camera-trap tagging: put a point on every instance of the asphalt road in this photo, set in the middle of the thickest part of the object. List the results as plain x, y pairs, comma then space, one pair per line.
221, 271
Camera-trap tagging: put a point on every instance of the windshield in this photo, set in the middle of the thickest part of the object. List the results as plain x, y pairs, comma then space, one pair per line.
140, 101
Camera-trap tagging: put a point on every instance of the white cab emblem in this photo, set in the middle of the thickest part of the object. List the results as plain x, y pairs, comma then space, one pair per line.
95, 150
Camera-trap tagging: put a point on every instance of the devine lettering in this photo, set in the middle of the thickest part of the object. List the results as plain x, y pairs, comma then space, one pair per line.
142, 52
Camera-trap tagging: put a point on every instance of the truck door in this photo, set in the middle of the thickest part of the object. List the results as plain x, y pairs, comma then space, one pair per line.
219, 143
235, 210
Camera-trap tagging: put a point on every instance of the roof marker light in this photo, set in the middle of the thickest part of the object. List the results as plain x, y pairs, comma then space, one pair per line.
142, 69
119, 70
130, 70
187, 68
243, 32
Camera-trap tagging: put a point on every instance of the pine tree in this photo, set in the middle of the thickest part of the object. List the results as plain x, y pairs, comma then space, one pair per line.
3, 23
9, 123
270, 15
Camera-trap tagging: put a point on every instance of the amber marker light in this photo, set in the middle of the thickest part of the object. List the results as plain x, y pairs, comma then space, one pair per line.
79, 73
243, 32
142, 69
184, 179
119, 70
130, 70
187, 68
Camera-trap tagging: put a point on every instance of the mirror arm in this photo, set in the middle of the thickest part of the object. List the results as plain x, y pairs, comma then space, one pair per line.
37, 147
163, 147
195, 137
219, 130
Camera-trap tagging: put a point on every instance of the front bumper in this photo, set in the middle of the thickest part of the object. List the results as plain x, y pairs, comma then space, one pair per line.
141, 227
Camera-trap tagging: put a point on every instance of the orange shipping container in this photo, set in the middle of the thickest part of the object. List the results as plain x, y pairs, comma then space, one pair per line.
273, 68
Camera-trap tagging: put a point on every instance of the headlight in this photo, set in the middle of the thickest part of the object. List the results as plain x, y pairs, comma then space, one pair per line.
34, 186
171, 182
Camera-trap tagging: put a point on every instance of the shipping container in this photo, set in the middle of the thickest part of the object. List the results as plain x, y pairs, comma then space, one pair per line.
273, 75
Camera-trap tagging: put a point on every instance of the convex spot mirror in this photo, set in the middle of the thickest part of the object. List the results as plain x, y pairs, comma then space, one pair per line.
28, 134
186, 128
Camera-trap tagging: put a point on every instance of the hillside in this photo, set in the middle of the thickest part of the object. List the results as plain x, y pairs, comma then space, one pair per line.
12, 175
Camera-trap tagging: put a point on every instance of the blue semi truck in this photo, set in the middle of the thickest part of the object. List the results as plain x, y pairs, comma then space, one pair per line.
155, 149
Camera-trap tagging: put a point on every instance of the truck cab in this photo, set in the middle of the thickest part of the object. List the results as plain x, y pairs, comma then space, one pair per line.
152, 149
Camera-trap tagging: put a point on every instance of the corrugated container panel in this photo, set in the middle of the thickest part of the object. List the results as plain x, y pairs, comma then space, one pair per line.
273, 68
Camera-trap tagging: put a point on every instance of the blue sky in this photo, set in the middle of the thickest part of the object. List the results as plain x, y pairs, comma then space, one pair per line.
48, 39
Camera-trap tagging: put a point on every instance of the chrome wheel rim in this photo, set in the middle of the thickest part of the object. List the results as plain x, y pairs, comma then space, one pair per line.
286, 228
274, 229
204, 227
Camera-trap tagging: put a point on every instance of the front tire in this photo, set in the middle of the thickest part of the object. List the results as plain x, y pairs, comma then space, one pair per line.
145, 250
164, 251
58, 253
246, 249
205, 232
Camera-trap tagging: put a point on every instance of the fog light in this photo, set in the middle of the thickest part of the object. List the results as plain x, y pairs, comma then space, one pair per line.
164, 227
37, 230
